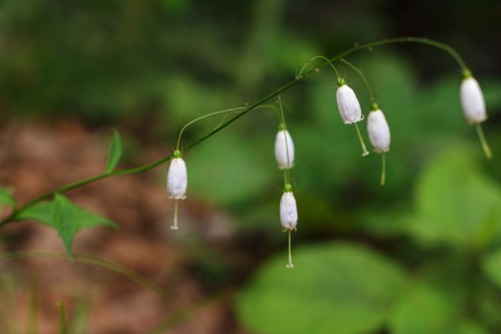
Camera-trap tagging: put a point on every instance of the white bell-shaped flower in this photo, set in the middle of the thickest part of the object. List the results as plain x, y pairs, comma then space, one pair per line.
472, 101
177, 179
284, 150
288, 211
379, 131
348, 105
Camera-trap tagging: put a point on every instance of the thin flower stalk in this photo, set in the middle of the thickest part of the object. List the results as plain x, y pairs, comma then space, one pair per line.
284, 146
377, 126
473, 104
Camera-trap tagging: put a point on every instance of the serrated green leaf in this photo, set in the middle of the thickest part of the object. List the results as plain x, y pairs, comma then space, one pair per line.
115, 152
67, 218
341, 288
88, 219
65, 221
6, 198
41, 212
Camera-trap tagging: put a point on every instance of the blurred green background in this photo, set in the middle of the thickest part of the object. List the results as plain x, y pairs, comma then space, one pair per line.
421, 255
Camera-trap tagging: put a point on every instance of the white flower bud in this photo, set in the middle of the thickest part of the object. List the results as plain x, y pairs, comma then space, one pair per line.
284, 150
348, 105
379, 131
288, 211
472, 101
177, 179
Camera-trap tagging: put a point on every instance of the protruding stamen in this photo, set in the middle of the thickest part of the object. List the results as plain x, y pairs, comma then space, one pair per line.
289, 264
174, 224
383, 169
364, 149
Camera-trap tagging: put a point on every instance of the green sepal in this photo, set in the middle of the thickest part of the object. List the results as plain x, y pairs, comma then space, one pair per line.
467, 74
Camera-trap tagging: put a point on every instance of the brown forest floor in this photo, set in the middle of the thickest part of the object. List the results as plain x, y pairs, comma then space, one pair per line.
35, 158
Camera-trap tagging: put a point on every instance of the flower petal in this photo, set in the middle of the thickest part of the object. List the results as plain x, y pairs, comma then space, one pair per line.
472, 101
177, 179
379, 131
348, 105
288, 211
284, 150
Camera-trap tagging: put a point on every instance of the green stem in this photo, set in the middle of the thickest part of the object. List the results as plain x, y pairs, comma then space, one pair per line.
201, 118
366, 83
62, 318
106, 264
33, 310
328, 62
420, 40
483, 141
284, 127
274, 94
281, 115
78, 184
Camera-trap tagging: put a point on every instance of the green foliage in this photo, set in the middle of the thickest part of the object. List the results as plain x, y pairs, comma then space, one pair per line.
229, 170
335, 288
115, 152
41, 212
6, 198
452, 286
186, 100
423, 119
425, 309
456, 204
491, 266
64, 221
65, 217
107, 58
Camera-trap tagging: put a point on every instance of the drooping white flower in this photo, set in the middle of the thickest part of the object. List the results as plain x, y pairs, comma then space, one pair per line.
288, 211
379, 131
472, 101
284, 150
177, 179
348, 105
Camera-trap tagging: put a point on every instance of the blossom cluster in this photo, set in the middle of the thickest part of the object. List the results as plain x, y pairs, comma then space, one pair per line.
378, 131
